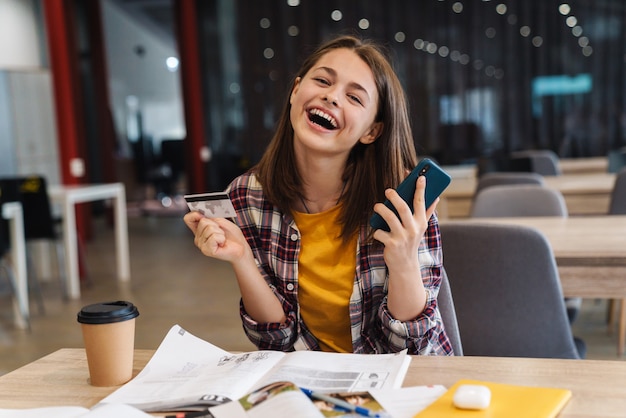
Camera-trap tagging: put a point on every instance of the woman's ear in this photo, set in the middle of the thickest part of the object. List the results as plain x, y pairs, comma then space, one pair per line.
294, 90
373, 133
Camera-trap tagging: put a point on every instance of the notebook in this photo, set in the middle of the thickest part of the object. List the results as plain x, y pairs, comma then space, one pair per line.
507, 400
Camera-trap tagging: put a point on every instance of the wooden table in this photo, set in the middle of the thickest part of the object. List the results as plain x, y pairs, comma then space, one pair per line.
67, 197
584, 165
590, 252
585, 194
598, 386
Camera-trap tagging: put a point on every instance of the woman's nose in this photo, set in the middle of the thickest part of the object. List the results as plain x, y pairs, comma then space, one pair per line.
330, 98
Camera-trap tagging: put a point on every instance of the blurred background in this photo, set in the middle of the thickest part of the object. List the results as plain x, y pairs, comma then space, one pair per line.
183, 94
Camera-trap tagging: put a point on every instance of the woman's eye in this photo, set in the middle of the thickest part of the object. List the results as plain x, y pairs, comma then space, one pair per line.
355, 98
322, 80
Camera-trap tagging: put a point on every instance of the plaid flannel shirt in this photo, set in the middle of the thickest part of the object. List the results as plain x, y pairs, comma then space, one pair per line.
275, 241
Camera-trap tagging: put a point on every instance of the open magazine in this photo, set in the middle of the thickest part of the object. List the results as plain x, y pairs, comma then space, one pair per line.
282, 399
187, 373
278, 399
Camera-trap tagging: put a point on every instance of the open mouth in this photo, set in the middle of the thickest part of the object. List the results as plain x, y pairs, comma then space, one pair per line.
322, 119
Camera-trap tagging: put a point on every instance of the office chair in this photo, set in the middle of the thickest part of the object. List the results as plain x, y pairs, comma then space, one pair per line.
518, 200
524, 200
507, 292
39, 223
544, 162
502, 178
445, 302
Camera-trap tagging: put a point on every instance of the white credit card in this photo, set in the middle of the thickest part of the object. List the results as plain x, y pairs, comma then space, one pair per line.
211, 205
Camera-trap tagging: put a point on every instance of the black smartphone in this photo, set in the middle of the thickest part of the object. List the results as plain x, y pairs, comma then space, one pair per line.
436, 182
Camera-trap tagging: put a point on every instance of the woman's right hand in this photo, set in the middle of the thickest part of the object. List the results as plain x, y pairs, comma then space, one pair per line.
217, 237
222, 239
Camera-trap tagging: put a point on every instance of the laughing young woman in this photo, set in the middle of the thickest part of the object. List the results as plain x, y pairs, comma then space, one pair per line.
312, 273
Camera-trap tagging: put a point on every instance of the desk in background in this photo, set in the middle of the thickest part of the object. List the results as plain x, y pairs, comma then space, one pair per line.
598, 386
12, 211
584, 165
595, 165
67, 197
585, 194
590, 252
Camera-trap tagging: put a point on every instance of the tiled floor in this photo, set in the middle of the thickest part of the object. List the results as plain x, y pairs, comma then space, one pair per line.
172, 283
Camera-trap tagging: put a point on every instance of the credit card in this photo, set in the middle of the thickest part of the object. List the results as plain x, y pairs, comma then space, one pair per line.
211, 205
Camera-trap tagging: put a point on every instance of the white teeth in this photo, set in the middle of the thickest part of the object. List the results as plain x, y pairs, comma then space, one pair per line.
325, 115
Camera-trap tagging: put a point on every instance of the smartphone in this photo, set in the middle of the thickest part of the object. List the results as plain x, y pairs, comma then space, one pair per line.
436, 182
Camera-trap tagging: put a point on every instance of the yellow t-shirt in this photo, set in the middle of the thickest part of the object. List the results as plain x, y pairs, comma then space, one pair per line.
326, 270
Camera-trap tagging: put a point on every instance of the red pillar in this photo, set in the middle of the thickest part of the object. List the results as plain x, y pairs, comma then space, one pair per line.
191, 81
65, 82
67, 99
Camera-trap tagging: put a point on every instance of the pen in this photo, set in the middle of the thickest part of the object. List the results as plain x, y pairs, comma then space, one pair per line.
198, 414
341, 404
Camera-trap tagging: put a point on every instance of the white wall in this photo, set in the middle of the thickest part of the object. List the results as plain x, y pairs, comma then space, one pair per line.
28, 135
143, 76
19, 41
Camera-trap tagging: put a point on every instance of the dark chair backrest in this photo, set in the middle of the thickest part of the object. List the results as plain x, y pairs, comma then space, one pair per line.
5, 239
32, 193
173, 154
616, 160
507, 292
544, 162
618, 195
7, 194
503, 164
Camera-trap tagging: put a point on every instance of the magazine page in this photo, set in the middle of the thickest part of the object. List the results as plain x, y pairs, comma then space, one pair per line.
340, 372
188, 373
278, 399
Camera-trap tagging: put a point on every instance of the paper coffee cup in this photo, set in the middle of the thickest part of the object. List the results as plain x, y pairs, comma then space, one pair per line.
109, 336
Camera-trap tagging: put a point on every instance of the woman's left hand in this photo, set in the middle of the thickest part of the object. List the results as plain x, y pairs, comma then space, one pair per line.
405, 234
406, 296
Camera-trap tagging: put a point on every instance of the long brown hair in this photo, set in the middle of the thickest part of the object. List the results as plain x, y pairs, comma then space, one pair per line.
370, 168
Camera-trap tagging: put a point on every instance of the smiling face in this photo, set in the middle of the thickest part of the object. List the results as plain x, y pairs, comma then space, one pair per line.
334, 105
